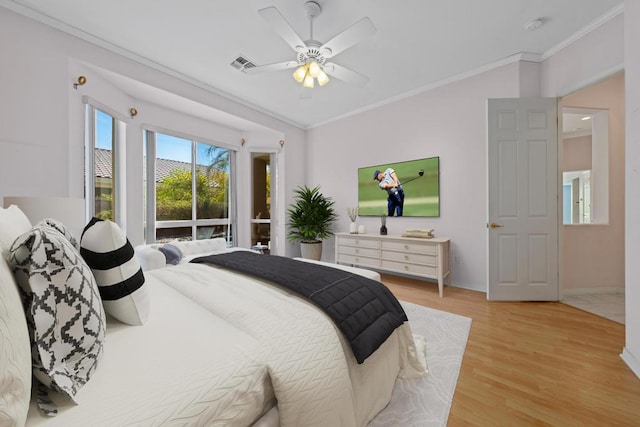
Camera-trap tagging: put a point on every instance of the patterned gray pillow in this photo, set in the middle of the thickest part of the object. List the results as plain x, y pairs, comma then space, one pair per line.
63, 309
59, 226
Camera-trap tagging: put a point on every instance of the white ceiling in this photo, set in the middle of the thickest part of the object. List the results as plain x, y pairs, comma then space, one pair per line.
418, 43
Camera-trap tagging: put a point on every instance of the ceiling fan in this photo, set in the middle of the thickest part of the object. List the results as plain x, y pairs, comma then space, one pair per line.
311, 55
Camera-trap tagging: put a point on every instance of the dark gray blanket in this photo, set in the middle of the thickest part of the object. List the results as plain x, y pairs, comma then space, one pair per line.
364, 310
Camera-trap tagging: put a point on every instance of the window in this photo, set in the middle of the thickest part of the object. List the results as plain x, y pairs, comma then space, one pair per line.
188, 189
261, 199
103, 134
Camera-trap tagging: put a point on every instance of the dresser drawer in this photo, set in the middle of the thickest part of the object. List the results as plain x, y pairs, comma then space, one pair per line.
361, 251
359, 260
358, 242
421, 270
413, 258
415, 247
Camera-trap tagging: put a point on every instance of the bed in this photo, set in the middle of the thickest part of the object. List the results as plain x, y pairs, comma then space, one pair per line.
216, 348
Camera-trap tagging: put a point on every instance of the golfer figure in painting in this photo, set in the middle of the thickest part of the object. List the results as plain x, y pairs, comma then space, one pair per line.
388, 181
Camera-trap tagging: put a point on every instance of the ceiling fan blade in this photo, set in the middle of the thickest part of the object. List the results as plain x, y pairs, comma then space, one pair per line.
278, 66
345, 74
282, 27
349, 37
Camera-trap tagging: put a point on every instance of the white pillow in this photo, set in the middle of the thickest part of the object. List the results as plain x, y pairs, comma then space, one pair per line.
63, 309
15, 352
150, 258
13, 222
120, 279
196, 247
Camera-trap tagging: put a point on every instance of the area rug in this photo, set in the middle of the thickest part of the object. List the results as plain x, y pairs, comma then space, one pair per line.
426, 401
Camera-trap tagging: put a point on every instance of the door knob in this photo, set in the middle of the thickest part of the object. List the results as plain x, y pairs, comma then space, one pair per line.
494, 225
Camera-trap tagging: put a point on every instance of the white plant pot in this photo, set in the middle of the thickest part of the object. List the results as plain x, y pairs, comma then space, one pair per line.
353, 228
311, 250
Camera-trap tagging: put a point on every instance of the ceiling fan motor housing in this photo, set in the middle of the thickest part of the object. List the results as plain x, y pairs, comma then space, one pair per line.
311, 53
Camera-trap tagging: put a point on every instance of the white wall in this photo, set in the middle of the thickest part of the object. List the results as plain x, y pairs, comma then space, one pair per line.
631, 353
449, 122
608, 49
41, 116
587, 266
593, 57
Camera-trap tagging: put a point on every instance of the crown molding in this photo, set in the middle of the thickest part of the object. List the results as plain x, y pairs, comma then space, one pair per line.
523, 56
584, 31
83, 35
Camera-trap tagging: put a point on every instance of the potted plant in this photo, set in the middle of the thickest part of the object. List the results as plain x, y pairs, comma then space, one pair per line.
310, 219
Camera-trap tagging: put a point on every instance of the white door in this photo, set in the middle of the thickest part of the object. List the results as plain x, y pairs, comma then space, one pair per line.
523, 199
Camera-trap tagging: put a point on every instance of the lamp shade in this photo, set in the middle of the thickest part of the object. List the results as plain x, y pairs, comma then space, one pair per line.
299, 73
314, 69
323, 79
308, 81
68, 210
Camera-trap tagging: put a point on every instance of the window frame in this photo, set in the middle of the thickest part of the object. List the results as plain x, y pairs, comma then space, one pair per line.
151, 223
118, 140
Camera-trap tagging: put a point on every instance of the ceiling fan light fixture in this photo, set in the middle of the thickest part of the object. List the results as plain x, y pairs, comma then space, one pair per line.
300, 73
312, 55
323, 79
308, 81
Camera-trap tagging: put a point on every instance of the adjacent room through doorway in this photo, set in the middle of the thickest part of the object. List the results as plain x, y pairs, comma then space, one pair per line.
592, 231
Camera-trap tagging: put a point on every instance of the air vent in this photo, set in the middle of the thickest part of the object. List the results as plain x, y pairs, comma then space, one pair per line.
241, 63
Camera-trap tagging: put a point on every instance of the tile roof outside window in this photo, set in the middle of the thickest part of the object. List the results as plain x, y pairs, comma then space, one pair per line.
163, 166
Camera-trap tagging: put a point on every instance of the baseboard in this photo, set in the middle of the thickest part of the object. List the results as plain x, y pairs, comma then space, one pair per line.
591, 291
631, 361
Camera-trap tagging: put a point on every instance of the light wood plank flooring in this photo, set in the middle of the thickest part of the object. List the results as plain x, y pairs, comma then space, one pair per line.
532, 363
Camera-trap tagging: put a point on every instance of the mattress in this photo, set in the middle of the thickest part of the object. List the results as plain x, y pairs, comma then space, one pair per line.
185, 366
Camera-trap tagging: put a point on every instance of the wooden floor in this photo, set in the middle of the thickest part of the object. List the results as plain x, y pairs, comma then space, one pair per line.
532, 363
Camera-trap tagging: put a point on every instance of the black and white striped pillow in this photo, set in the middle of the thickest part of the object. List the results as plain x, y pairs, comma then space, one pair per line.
108, 252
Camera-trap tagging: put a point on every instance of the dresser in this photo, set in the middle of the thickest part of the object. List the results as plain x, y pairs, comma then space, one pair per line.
426, 258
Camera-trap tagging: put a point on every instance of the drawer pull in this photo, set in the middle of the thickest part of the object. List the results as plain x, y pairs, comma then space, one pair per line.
406, 246
357, 251
406, 267
406, 257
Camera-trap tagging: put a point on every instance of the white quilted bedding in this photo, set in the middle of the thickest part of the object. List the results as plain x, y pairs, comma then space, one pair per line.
219, 348
315, 378
185, 366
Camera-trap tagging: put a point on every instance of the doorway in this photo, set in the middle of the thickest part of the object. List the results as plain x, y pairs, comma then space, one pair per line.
592, 229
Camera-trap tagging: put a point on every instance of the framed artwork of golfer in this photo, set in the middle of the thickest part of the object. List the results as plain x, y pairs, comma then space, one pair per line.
410, 188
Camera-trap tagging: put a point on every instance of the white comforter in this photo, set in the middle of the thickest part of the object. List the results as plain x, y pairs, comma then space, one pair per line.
185, 366
315, 378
